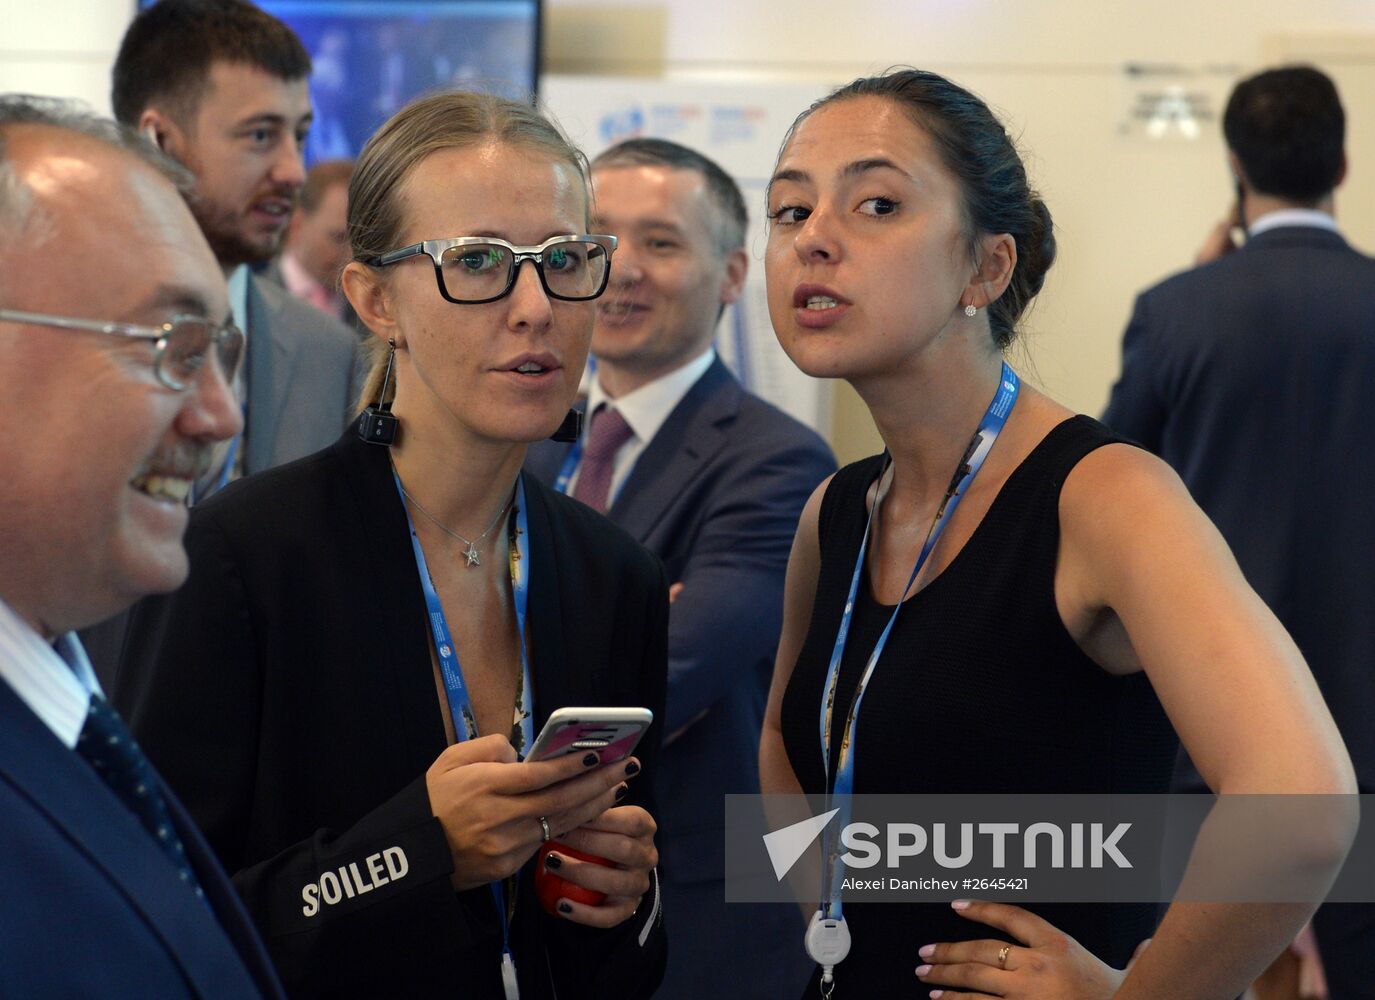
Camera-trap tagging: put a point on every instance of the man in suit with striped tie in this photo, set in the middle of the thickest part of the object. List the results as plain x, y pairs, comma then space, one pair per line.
115, 360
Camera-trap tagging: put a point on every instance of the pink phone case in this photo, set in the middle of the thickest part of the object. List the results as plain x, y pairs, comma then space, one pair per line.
618, 740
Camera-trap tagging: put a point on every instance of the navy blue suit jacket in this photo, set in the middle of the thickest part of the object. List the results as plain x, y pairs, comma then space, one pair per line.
92, 905
716, 495
1252, 376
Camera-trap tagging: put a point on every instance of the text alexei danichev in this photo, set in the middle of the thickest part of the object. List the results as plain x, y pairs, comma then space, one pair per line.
930, 884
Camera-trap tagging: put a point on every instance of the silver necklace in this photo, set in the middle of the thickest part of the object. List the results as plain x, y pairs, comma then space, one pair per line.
470, 552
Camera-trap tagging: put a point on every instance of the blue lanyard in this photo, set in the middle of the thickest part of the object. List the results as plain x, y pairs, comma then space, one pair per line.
570, 466
571, 461
574, 456
980, 445
227, 469
460, 705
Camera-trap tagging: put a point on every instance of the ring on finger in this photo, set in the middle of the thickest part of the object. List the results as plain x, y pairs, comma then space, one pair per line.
545, 834
1002, 956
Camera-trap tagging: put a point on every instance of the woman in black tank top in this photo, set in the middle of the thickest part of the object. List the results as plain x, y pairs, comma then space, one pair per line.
1073, 583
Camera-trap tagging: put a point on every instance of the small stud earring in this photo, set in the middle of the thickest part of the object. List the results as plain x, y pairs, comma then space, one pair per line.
969, 310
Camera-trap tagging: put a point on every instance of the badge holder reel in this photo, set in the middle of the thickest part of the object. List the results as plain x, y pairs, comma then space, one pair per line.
827, 942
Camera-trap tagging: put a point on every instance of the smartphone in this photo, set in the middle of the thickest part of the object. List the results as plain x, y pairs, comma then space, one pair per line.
611, 732
1239, 233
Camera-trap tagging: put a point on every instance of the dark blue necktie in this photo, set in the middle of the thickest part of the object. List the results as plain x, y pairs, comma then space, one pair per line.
108, 746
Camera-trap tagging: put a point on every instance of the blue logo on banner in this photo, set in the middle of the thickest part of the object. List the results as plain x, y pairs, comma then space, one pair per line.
674, 119
736, 124
623, 124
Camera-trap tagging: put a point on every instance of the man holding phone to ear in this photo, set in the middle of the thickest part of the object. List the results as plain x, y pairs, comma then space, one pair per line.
1251, 375
220, 86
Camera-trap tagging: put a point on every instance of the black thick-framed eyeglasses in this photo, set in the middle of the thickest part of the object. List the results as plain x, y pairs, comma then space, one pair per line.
471, 270
182, 343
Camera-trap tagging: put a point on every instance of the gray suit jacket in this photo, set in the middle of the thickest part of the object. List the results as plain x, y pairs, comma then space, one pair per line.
305, 371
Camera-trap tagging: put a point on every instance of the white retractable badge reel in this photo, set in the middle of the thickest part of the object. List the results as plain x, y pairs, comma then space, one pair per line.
508, 977
827, 943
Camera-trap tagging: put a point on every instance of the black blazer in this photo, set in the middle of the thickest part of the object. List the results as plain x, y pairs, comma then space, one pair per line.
286, 693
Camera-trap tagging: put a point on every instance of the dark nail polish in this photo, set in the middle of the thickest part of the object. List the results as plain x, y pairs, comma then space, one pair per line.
632, 769
553, 862
620, 792
591, 760
565, 908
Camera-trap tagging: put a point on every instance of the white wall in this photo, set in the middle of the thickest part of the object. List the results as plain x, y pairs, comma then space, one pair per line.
815, 37
61, 47
1128, 210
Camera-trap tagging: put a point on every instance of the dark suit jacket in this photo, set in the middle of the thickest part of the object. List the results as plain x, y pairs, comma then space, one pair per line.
716, 495
92, 906
287, 692
1253, 376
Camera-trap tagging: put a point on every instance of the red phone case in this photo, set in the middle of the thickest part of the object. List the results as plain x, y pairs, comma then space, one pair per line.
550, 888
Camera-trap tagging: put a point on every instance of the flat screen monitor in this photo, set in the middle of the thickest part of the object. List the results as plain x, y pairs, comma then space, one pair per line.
372, 56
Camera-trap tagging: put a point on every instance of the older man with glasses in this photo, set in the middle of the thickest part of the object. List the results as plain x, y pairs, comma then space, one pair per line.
115, 361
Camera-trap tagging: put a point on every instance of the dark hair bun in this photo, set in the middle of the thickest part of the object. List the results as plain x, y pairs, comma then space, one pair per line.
1035, 255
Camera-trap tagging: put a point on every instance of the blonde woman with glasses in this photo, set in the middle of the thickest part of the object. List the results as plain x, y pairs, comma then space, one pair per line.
370, 637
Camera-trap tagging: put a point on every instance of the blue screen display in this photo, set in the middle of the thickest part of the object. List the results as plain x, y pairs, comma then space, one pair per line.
372, 56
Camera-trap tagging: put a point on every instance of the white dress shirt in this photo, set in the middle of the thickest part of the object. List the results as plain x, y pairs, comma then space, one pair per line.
56, 683
300, 283
1310, 217
645, 409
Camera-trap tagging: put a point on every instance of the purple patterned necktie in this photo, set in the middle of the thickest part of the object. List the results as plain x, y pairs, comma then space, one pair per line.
608, 433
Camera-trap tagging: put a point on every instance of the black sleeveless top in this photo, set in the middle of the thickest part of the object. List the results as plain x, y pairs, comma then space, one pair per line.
980, 690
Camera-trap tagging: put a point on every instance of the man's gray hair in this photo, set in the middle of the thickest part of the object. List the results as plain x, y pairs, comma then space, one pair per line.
27, 109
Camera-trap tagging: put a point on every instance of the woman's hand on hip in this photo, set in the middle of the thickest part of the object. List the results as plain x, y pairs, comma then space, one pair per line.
1043, 964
